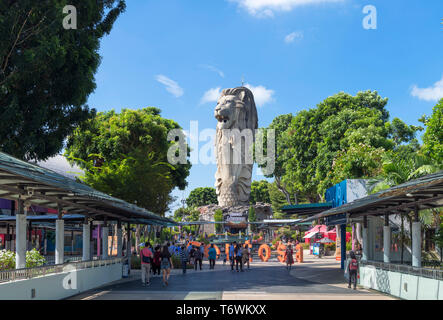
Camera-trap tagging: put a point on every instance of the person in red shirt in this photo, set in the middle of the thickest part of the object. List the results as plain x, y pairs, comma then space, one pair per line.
146, 260
353, 270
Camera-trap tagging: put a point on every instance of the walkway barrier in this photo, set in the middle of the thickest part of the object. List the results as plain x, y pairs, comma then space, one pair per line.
29, 273
402, 281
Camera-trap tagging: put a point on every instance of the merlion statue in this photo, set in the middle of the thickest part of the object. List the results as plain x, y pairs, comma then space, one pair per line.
235, 110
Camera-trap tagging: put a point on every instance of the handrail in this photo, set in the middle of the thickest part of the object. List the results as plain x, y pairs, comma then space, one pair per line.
422, 272
28, 273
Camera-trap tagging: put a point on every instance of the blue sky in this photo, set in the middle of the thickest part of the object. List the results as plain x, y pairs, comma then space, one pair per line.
176, 54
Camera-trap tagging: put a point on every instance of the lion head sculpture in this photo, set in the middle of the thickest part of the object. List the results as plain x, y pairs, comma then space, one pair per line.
235, 110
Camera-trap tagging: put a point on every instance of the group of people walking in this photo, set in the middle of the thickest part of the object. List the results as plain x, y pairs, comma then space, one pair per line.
239, 255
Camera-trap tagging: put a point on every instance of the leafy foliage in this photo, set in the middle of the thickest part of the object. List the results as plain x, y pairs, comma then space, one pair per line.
259, 192
47, 72
125, 155
218, 217
33, 259
433, 137
201, 196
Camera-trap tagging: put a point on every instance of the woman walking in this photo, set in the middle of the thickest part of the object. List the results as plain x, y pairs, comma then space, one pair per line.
246, 255
166, 264
289, 257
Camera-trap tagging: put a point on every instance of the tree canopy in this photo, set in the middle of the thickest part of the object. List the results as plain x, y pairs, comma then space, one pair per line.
47, 72
343, 137
260, 192
201, 196
125, 155
433, 136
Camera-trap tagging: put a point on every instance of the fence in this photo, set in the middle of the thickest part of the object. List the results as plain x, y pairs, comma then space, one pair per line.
405, 269
28, 273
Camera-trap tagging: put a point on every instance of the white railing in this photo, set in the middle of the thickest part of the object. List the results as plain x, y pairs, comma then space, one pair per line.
28, 273
422, 272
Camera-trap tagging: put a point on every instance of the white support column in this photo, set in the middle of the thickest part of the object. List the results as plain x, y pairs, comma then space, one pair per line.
416, 244
119, 241
59, 241
105, 234
365, 243
86, 242
20, 237
387, 244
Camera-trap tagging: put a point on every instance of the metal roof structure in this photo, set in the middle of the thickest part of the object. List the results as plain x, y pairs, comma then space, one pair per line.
306, 209
422, 193
21, 180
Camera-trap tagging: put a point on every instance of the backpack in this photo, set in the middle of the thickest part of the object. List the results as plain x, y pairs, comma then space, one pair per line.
157, 258
353, 265
145, 259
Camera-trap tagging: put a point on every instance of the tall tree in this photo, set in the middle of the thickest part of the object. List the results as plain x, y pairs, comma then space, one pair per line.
47, 72
259, 192
329, 134
280, 124
433, 136
125, 155
201, 196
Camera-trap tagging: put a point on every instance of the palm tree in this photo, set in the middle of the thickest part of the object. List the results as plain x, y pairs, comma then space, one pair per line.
397, 170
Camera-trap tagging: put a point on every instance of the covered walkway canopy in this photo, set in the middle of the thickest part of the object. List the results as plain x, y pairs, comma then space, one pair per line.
415, 195
20, 180
422, 193
306, 209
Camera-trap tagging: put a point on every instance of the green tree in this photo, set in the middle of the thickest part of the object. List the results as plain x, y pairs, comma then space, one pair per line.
280, 124
259, 192
201, 196
318, 138
277, 198
47, 72
125, 155
218, 217
439, 240
433, 136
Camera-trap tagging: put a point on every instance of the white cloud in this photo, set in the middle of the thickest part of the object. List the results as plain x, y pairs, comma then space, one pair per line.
171, 85
211, 95
266, 8
214, 69
296, 35
262, 95
433, 93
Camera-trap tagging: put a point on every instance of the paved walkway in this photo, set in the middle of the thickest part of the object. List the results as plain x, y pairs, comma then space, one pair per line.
315, 279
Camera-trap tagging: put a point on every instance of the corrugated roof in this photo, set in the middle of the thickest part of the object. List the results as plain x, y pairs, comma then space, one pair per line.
20, 178
424, 192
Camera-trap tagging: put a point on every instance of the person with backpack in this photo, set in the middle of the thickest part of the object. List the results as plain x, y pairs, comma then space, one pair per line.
184, 258
145, 264
197, 258
156, 261
238, 257
353, 270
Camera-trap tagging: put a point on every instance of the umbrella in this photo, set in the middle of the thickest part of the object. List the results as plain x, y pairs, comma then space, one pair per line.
325, 240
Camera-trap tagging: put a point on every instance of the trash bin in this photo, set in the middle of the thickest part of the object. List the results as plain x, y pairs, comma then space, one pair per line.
125, 273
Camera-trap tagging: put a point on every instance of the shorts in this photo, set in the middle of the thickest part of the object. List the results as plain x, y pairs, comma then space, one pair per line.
165, 265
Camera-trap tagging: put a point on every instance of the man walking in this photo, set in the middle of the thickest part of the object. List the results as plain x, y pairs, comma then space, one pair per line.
232, 254
197, 258
146, 259
184, 258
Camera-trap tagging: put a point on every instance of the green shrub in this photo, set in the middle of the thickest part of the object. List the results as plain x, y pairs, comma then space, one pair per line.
304, 245
7, 260
330, 247
34, 259
349, 246
135, 262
